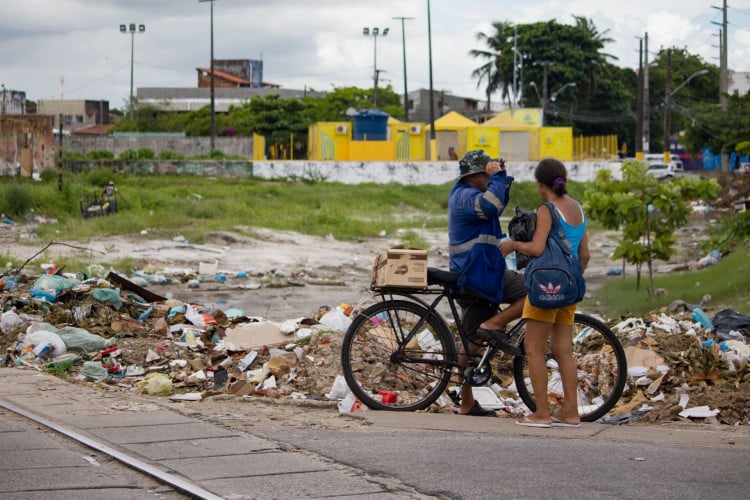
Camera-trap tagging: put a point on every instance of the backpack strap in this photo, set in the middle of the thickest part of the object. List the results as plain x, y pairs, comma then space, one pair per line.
557, 230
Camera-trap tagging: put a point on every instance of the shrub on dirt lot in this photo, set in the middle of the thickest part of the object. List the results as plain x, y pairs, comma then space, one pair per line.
16, 199
99, 177
733, 230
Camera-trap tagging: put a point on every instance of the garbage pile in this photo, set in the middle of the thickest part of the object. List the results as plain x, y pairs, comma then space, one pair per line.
111, 330
685, 365
682, 364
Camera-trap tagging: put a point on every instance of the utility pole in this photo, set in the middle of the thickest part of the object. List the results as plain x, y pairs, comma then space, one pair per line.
723, 75
667, 106
403, 43
639, 102
545, 65
646, 124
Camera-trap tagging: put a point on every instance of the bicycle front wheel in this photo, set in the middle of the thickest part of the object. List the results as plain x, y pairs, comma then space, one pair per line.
397, 355
602, 370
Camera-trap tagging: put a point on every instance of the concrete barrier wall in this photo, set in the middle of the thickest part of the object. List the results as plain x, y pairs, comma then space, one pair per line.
345, 172
186, 146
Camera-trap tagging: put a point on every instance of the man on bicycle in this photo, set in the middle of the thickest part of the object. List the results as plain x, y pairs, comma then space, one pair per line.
475, 204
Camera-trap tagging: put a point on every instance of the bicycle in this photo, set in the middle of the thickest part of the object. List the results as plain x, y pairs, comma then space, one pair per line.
400, 354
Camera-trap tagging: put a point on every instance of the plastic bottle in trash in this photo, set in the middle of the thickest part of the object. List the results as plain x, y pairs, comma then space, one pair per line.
699, 316
63, 364
510, 259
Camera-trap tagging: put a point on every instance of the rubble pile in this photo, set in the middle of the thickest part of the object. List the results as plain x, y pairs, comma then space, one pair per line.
685, 365
112, 331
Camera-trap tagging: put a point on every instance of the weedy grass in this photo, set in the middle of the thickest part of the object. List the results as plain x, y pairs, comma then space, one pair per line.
724, 284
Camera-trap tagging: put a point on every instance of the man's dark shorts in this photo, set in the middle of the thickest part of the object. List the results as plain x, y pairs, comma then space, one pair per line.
476, 312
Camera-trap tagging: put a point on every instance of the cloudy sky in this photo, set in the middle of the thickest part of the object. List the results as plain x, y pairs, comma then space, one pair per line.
74, 49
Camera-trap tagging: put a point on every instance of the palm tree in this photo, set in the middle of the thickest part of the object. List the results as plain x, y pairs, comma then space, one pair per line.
594, 42
499, 60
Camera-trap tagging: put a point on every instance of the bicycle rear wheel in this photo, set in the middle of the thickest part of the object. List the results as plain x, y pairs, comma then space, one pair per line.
396, 355
602, 370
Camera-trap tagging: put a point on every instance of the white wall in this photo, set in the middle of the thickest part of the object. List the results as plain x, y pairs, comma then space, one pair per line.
354, 172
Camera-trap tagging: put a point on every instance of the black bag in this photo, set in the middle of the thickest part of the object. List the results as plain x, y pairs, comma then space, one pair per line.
521, 227
555, 278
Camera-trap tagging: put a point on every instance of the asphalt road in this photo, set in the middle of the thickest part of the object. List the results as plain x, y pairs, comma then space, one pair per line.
386, 455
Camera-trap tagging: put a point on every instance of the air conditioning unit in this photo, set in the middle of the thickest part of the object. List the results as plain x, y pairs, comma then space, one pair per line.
342, 129
415, 129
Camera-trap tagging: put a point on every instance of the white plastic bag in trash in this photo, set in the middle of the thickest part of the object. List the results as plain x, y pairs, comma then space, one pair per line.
336, 320
9, 320
339, 390
39, 337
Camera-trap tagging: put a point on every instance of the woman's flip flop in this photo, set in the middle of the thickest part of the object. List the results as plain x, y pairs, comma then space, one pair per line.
528, 423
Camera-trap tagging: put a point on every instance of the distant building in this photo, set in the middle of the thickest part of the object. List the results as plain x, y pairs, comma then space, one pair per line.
13, 102
76, 114
189, 99
444, 102
234, 73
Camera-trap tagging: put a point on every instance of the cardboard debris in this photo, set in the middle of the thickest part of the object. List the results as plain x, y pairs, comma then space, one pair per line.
246, 336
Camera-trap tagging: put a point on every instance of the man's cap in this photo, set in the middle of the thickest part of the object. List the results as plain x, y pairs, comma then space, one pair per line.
473, 162
111, 183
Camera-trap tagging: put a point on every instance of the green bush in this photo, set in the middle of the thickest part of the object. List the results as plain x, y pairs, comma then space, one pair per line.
140, 154
16, 199
72, 155
166, 154
129, 154
146, 154
100, 154
734, 229
99, 177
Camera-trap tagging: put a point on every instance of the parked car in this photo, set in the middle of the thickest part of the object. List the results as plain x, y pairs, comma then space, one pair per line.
665, 171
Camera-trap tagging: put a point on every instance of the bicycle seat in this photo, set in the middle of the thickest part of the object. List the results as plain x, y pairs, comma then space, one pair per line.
437, 276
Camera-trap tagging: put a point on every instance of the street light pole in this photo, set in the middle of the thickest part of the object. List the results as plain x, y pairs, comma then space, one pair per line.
432, 99
125, 29
554, 95
403, 43
375, 33
213, 105
668, 94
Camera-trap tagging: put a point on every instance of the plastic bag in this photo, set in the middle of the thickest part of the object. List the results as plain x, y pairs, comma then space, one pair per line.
94, 370
54, 282
336, 320
41, 337
78, 339
111, 295
156, 384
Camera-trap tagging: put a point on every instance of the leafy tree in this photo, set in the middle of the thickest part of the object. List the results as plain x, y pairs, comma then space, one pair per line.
646, 210
698, 92
335, 104
499, 58
721, 131
601, 102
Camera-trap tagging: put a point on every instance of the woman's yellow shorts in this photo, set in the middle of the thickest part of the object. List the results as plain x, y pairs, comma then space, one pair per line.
561, 316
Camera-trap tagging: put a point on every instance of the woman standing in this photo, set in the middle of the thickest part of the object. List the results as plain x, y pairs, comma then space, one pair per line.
551, 184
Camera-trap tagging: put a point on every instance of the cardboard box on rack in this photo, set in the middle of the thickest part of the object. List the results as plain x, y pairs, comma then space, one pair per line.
400, 267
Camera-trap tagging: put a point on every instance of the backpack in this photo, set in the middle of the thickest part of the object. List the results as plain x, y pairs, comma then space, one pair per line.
555, 278
521, 227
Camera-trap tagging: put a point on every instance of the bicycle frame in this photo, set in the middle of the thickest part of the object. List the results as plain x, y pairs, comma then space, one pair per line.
441, 291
